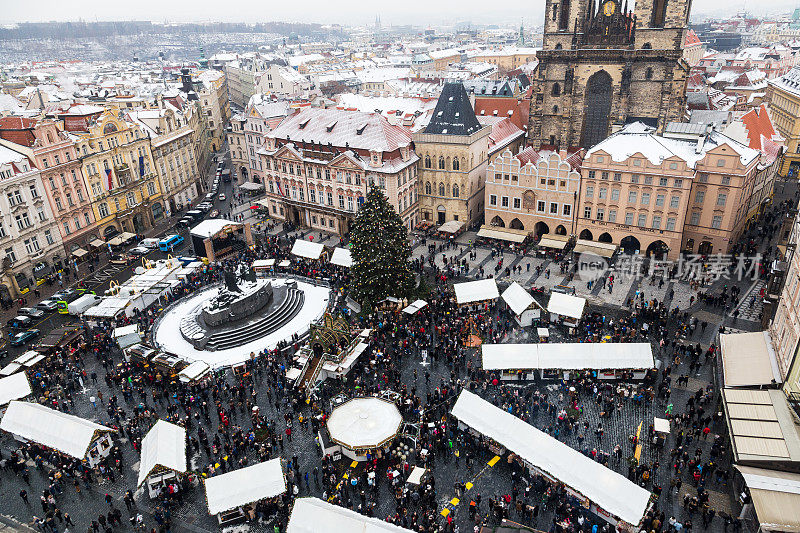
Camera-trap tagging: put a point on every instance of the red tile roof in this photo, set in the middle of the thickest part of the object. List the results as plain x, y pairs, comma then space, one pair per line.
528, 155
759, 126
691, 39
503, 129
18, 130
486, 106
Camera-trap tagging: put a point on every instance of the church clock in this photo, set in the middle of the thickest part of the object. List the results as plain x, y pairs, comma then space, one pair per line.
609, 8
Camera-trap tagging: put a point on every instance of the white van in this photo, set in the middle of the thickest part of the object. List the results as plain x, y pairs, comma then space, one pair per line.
77, 307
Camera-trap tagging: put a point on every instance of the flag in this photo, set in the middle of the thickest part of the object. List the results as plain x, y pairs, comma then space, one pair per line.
110, 180
141, 166
278, 183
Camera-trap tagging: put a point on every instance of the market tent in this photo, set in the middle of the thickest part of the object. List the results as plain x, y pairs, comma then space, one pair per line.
212, 226
68, 434
97, 243
251, 186
776, 497
611, 491
476, 291
79, 252
517, 298
568, 356
661, 425
552, 242
263, 263
503, 234
26, 360
748, 359
543, 332
196, 371
163, 446
246, 485
566, 305
364, 423
342, 257
415, 306
415, 476
116, 241
127, 335
14, 387
307, 249
285, 263
603, 249
309, 514
451, 227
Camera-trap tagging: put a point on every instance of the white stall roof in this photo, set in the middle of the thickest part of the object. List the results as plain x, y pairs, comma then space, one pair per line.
263, 263
26, 360
415, 476
66, 433
415, 306
164, 445
127, 335
309, 513
476, 291
517, 298
566, 305
364, 422
211, 227
342, 257
568, 356
195, 371
748, 359
661, 425
503, 234
543, 332
307, 249
285, 263
609, 490
293, 373
451, 227
547, 242
14, 387
246, 485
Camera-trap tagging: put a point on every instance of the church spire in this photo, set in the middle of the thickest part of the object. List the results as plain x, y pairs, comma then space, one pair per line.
522, 33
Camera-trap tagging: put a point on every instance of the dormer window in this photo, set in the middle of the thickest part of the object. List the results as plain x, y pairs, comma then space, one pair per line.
360, 129
305, 123
330, 126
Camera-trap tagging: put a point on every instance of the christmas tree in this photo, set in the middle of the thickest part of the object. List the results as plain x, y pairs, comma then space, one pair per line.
380, 250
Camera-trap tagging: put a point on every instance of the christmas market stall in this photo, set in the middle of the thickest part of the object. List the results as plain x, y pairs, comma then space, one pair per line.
307, 249
603, 491
127, 335
73, 436
363, 426
566, 309
231, 496
476, 292
525, 308
26, 361
14, 387
163, 459
309, 513
341, 257
612, 360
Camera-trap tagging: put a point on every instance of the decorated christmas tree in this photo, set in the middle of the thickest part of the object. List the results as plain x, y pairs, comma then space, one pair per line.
380, 250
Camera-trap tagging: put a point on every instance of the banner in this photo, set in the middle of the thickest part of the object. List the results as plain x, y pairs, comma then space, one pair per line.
110, 179
141, 166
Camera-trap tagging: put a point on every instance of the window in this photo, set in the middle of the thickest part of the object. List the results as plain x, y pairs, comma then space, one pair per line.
635, 178
602, 193
703, 178
504, 201
455, 192
151, 189
612, 215
631, 197
589, 191
34, 191
567, 211
699, 197
14, 197
349, 204
642, 220
629, 219
492, 199
427, 162
103, 209
540, 206
677, 183
52, 183
592, 174
41, 214
441, 189
604, 175
427, 187
553, 208
587, 212
656, 222
87, 218
648, 74
674, 202
130, 199
12, 257
600, 214
720, 162
637, 162
617, 176
58, 203
726, 180
660, 200
662, 182
2, 230
648, 180
721, 199
694, 220
614, 195
716, 222
23, 221
517, 203
32, 245
441, 163
341, 202
556, 91
670, 224
80, 195
645, 198
67, 231
312, 195
330, 198
69, 200
456, 165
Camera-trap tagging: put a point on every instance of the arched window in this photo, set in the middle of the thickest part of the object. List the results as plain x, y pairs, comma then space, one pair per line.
427, 187
427, 161
563, 21
558, 46
659, 13
556, 90
441, 189
455, 191
647, 46
555, 110
456, 165
441, 163
648, 74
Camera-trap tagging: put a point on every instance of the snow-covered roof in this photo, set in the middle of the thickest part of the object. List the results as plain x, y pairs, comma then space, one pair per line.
476, 291
196, 370
342, 257
165, 446
246, 485
789, 82
307, 249
66, 433
296, 61
611, 491
309, 513
517, 298
212, 226
364, 422
14, 387
568, 356
566, 305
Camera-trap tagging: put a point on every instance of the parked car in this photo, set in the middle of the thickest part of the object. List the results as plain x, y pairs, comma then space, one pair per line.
18, 339
20, 322
222, 197
152, 244
139, 251
214, 213
119, 259
209, 197
31, 312
47, 305
204, 207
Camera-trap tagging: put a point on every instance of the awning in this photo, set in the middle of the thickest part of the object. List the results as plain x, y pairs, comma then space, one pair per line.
116, 241
251, 186
517, 298
414, 307
503, 234
14, 387
603, 249
126, 236
776, 497
97, 243
342, 257
263, 263
547, 242
307, 249
661, 425
312, 515
748, 359
568, 356
80, 252
451, 227
285, 263
476, 291
245, 485
566, 305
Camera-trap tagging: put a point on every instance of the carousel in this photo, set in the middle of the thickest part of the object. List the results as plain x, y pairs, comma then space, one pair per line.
361, 427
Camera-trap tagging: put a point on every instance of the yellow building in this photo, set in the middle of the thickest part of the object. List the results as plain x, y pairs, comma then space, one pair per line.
783, 95
120, 175
506, 59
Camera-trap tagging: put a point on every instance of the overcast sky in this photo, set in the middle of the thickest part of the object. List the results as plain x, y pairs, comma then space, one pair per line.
326, 11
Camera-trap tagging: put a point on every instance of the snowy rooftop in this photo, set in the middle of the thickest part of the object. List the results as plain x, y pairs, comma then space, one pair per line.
364, 423
165, 446
309, 513
212, 226
245, 485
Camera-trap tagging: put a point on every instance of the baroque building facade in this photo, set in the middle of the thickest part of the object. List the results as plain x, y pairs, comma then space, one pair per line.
604, 65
